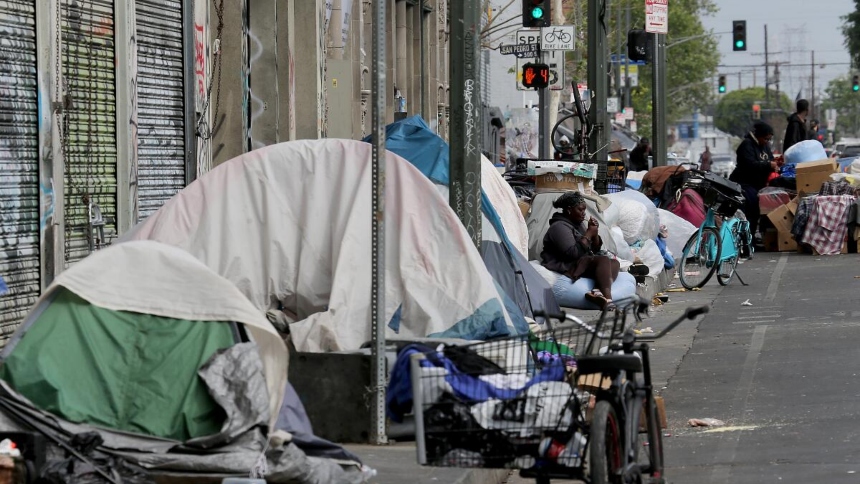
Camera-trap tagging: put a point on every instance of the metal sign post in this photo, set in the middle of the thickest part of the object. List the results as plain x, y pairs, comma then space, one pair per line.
378, 434
466, 109
598, 84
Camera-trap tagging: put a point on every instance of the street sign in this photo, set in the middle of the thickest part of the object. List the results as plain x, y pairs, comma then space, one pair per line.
628, 113
619, 118
622, 59
558, 37
521, 50
612, 105
528, 36
633, 126
657, 16
633, 75
831, 124
555, 60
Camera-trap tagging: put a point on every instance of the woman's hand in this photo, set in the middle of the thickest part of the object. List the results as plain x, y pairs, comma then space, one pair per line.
591, 231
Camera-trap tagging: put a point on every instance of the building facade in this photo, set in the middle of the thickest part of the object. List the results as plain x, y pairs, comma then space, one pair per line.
110, 107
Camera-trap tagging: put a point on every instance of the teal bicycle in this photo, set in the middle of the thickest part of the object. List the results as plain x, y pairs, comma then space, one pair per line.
723, 238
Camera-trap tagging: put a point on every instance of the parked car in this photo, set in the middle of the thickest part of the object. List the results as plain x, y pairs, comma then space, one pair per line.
722, 165
850, 150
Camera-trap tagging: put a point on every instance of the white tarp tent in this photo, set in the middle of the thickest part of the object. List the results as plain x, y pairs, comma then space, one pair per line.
290, 225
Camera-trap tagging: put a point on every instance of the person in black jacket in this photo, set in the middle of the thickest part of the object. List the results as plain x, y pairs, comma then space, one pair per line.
754, 166
796, 131
639, 156
569, 248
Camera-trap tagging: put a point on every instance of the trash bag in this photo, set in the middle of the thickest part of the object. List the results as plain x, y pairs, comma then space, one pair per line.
73, 470
637, 216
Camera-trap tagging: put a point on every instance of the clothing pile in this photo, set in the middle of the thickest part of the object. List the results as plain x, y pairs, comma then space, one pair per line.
480, 413
823, 221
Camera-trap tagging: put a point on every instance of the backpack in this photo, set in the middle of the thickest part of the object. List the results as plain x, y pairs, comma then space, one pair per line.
689, 206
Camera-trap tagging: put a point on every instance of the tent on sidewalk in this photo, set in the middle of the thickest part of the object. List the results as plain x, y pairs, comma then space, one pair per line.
504, 247
289, 224
167, 362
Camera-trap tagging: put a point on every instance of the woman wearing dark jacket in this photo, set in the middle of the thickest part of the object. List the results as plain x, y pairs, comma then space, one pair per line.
569, 248
754, 166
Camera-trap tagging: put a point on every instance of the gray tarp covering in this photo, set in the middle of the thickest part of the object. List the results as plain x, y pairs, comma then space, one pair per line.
235, 381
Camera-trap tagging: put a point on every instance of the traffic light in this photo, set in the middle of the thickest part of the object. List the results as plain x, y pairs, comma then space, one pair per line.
855, 83
756, 111
739, 35
637, 45
722, 85
535, 76
536, 13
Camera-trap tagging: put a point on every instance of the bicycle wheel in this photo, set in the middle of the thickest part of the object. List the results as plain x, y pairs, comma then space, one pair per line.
654, 451
727, 267
605, 445
699, 259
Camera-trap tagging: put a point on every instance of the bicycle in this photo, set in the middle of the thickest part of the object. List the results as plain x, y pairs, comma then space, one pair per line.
615, 435
715, 247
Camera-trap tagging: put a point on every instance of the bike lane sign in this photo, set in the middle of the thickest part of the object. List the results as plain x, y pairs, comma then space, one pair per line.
558, 37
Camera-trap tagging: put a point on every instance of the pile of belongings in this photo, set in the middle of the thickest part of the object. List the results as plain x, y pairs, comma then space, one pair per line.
493, 405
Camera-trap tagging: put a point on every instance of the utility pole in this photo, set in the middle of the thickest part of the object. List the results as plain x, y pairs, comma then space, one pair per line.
378, 434
627, 99
740, 85
812, 104
598, 85
464, 193
619, 88
766, 72
658, 101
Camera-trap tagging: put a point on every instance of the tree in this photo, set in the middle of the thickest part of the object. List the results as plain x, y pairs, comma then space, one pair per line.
690, 65
851, 32
734, 111
846, 103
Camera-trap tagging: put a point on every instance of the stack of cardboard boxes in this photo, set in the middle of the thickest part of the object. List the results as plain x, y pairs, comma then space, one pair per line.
810, 177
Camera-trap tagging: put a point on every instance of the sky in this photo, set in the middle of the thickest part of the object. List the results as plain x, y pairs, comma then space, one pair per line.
795, 29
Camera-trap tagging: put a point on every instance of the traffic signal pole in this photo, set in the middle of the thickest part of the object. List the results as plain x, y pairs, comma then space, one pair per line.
598, 84
464, 194
658, 102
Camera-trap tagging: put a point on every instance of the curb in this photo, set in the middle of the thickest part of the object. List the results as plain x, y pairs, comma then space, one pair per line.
484, 476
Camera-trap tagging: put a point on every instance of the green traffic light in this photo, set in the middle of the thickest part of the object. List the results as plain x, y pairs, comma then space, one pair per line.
723, 89
739, 44
856, 88
537, 12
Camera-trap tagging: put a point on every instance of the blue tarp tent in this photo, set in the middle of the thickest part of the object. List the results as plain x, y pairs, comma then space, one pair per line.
413, 140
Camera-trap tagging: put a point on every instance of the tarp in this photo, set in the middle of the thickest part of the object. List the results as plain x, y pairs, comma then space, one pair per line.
505, 235
167, 361
289, 224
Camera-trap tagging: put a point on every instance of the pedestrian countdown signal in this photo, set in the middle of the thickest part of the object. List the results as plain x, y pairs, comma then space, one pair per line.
536, 76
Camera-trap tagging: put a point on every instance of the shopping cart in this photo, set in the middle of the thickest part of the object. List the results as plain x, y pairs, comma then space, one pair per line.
515, 403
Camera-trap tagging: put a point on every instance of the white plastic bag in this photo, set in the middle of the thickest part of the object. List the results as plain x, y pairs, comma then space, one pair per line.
679, 231
637, 216
651, 256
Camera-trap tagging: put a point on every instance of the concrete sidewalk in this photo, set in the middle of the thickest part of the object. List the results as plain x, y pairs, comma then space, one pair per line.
397, 463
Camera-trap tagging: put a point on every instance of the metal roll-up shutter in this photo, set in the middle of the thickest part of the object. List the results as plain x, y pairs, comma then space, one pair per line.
160, 103
19, 163
90, 124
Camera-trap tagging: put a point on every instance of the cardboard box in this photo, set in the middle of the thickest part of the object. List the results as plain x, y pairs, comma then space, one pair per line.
812, 174
524, 208
782, 219
770, 240
661, 415
564, 181
793, 204
786, 242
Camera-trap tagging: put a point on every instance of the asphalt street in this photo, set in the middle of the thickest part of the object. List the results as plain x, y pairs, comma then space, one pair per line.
782, 372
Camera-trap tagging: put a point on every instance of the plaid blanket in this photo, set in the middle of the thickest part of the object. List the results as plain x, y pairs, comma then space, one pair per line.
828, 223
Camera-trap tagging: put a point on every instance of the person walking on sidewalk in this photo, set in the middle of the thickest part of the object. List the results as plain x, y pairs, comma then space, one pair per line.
796, 130
705, 160
755, 164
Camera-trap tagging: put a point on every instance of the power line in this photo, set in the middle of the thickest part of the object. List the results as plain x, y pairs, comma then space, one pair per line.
786, 64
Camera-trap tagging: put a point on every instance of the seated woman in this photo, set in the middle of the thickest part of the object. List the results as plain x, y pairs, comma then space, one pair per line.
569, 249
